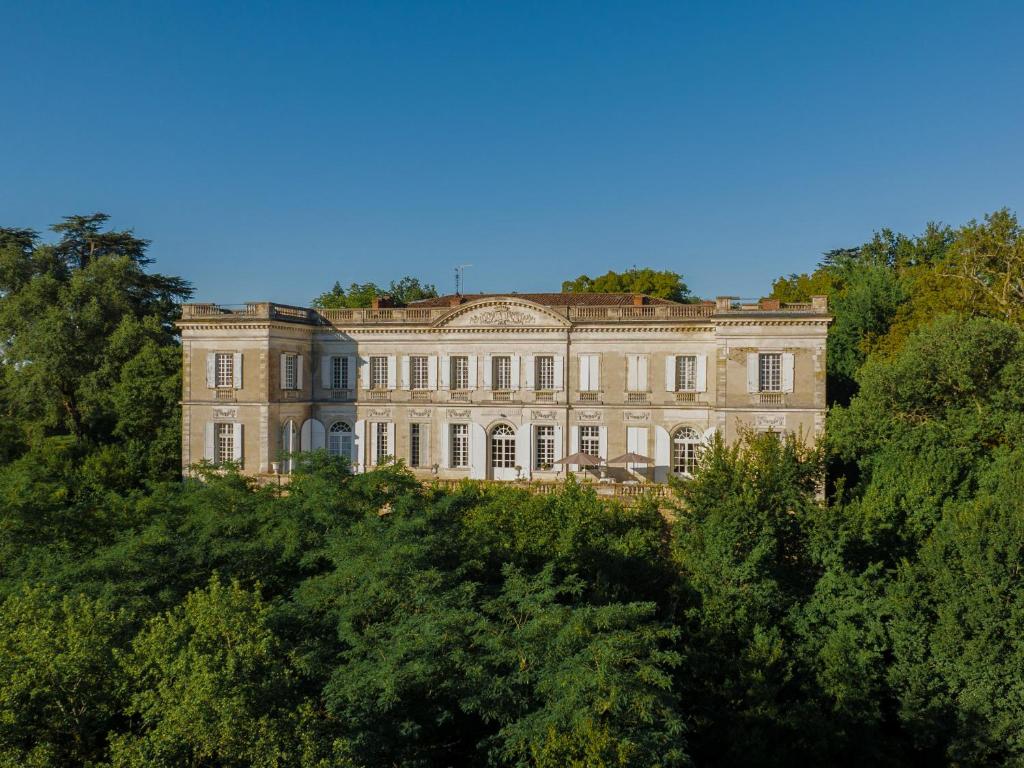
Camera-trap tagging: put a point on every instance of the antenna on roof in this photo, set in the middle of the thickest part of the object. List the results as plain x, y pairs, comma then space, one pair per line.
460, 278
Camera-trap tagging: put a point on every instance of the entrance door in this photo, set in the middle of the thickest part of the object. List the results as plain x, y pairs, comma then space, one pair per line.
503, 453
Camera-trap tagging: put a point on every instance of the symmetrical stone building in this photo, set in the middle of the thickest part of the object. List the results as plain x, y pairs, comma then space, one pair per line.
498, 386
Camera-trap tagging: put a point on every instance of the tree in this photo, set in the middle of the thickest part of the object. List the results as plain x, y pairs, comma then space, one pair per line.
401, 292
661, 285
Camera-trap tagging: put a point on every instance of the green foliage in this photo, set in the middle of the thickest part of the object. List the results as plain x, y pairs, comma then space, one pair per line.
401, 292
660, 284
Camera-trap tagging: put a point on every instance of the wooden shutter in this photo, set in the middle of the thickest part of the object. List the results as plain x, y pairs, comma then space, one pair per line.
236, 371
446, 372
753, 382
326, 377
474, 382
392, 371
284, 371
392, 449
431, 376
364, 372
531, 381
584, 373
237, 456
487, 371
632, 373
595, 372
524, 449
211, 369
574, 445
298, 371
602, 443
359, 446
209, 447
352, 362
787, 371
670, 373
477, 452
404, 378
641, 373
559, 372
514, 360
559, 453
662, 454
702, 373
446, 431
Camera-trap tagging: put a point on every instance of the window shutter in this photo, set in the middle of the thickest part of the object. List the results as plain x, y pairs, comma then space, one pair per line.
524, 449
584, 373
392, 371
753, 383
211, 369
392, 448
662, 454
446, 372
358, 446
702, 373
516, 381
641, 373
352, 362
209, 451
236, 371
426, 452
602, 443
531, 376
431, 374
284, 371
405, 372
487, 371
559, 372
298, 371
446, 432
574, 445
237, 456
474, 382
595, 373
787, 371
559, 453
477, 452
326, 363
632, 374
670, 373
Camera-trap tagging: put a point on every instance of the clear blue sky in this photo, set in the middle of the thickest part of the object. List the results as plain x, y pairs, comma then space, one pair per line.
269, 149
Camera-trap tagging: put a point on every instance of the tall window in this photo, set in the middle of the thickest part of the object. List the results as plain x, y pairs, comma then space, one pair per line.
460, 372
225, 369
770, 371
340, 373
415, 446
686, 373
339, 439
378, 372
225, 444
590, 440
544, 370
381, 451
685, 448
418, 376
459, 445
544, 448
502, 375
291, 372
503, 447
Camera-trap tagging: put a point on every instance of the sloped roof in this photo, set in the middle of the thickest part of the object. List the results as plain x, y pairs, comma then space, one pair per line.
546, 299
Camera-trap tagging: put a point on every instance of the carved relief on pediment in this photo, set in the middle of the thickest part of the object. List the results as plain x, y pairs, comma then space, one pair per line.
502, 315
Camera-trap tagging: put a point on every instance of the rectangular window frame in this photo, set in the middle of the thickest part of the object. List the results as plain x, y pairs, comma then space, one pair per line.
590, 439
378, 372
769, 372
686, 373
381, 448
419, 372
224, 442
543, 447
501, 372
224, 370
291, 371
458, 446
544, 371
415, 444
341, 377
460, 372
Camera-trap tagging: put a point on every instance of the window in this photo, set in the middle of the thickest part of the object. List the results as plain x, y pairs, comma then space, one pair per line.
419, 378
502, 375
225, 369
381, 451
291, 372
544, 448
459, 445
340, 373
770, 372
378, 372
686, 373
685, 449
503, 447
460, 372
415, 447
590, 440
225, 445
589, 373
545, 372
339, 439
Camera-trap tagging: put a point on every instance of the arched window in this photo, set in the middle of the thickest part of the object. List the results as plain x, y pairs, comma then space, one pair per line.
503, 447
339, 439
685, 449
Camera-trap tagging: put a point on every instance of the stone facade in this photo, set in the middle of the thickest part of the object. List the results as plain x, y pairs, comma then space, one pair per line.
497, 386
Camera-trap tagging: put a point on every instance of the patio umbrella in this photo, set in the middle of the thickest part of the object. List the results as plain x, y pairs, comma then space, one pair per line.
582, 459
631, 458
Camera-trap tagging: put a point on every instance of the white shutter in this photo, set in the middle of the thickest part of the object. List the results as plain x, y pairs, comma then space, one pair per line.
284, 370
392, 450
209, 449
446, 372
515, 371
211, 369
237, 455
641, 373
371, 444
298, 371
431, 373
531, 381
426, 450
584, 373
359, 447
559, 453
392, 371
487, 371
662, 454
524, 449
404, 378
473, 380
574, 445
446, 431
787, 371
364, 372
602, 443
595, 372
670, 373
632, 375
632, 439
477, 452
236, 371
559, 372
753, 384
702, 373
325, 371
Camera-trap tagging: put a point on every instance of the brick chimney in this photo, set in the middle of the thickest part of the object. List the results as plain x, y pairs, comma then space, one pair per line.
770, 305
723, 303
455, 300
819, 303
375, 302
638, 299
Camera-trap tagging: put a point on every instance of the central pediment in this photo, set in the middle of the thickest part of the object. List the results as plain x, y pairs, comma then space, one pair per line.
501, 313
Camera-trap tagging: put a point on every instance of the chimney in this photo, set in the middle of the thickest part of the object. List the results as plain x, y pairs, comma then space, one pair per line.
454, 301
770, 305
819, 303
638, 299
723, 303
